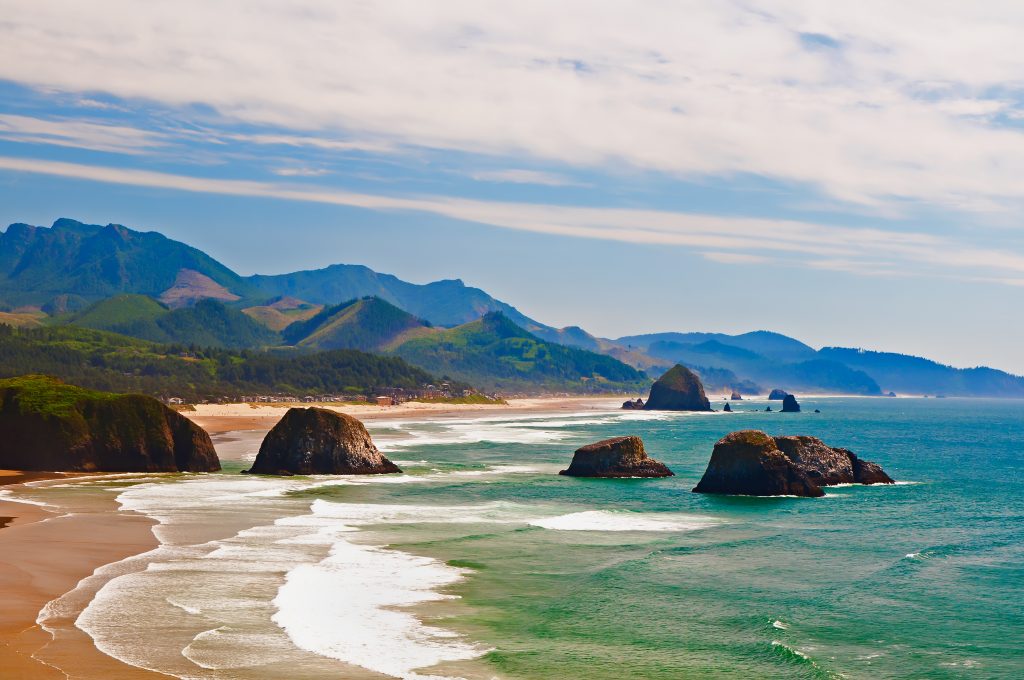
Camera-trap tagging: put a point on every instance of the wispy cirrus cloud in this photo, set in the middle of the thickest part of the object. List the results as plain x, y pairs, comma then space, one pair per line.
836, 96
722, 239
516, 176
79, 134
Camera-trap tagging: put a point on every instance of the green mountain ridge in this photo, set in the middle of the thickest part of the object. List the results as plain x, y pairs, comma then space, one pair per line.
368, 324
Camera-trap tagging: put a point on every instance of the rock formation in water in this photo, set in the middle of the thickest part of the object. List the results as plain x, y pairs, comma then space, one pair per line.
790, 405
678, 390
631, 405
736, 396
617, 457
48, 425
727, 409
752, 463
777, 394
316, 441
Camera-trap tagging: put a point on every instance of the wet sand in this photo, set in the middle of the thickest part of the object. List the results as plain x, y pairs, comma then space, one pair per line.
44, 553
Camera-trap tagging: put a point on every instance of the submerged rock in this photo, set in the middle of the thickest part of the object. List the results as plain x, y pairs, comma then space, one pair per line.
316, 441
616, 457
46, 424
777, 394
790, 405
679, 389
633, 405
749, 463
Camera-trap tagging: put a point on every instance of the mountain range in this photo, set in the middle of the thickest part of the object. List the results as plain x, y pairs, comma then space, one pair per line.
145, 285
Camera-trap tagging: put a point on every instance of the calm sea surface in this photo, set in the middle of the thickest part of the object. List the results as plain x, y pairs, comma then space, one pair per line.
482, 562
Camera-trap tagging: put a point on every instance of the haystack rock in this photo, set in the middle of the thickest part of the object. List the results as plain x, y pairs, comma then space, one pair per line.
777, 394
790, 404
678, 390
752, 463
617, 457
46, 424
316, 441
631, 405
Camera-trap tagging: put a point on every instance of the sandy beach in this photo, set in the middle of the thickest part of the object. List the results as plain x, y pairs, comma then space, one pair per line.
217, 418
46, 550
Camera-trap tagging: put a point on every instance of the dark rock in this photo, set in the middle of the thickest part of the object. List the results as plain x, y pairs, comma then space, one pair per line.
891, 394
817, 410
777, 394
633, 405
727, 409
617, 457
823, 464
736, 396
678, 390
866, 472
790, 405
748, 462
48, 425
767, 408
316, 441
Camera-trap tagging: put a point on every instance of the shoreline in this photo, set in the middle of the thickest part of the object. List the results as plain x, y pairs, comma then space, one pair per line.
221, 418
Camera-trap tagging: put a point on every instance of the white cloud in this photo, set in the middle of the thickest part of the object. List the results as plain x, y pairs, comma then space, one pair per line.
734, 258
300, 172
861, 251
79, 134
515, 176
900, 107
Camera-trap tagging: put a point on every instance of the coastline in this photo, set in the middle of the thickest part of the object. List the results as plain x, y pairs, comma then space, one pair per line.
220, 418
44, 552
47, 550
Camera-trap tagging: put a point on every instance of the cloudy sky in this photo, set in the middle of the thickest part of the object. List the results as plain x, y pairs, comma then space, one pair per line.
847, 173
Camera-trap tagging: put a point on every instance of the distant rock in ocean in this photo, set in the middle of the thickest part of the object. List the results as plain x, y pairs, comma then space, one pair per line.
767, 408
617, 457
316, 441
631, 405
790, 405
777, 394
727, 409
736, 396
46, 424
752, 463
679, 389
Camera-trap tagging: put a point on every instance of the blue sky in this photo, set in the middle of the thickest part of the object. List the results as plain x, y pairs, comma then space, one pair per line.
847, 176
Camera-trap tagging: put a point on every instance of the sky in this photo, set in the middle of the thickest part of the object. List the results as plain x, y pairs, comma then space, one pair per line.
846, 173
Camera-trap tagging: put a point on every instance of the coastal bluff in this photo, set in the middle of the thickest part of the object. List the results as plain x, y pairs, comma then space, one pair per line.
317, 441
752, 463
47, 425
615, 458
679, 389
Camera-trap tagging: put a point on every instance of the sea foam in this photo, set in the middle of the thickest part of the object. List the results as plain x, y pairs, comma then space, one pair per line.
607, 520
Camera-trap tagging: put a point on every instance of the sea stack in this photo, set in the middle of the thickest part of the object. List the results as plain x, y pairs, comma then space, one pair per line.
316, 441
752, 463
790, 404
727, 409
678, 390
630, 405
777, 394
46, 424
736, 396
617, 457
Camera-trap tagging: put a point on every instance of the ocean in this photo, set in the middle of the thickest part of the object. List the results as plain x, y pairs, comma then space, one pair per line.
482, 562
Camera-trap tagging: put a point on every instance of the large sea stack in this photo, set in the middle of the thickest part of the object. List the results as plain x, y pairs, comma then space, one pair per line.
790, 404
48, 425
752, 463
678, 390
617, 457
777, 394
316, 441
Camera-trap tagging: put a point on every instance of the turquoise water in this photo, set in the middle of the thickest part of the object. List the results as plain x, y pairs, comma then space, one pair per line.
916, 580
482, 562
